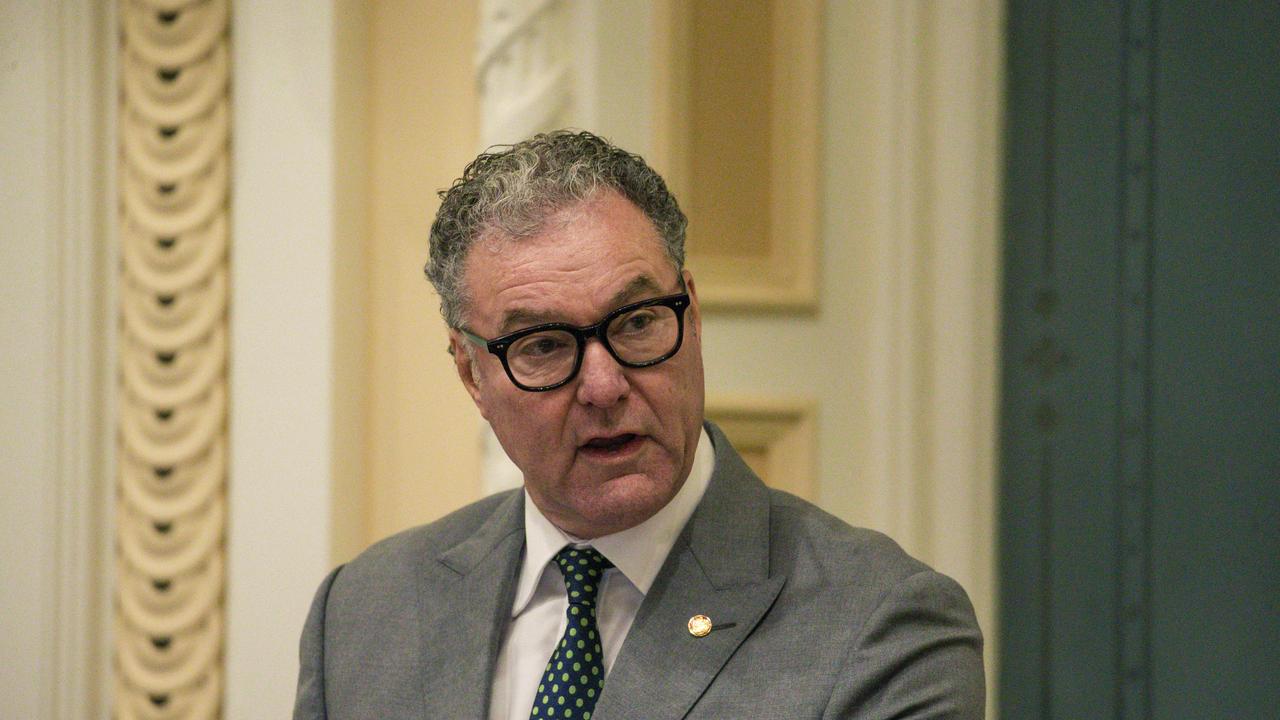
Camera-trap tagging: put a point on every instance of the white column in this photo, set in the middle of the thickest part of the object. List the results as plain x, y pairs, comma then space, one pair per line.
294, 290
55, 359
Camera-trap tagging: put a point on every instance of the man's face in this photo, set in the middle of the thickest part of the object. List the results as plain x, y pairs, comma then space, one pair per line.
610, 448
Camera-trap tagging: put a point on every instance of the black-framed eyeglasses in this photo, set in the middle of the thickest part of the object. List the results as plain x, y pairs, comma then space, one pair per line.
544, 357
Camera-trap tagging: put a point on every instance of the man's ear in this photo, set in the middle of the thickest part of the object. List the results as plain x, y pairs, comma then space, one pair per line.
694, 311
468, 373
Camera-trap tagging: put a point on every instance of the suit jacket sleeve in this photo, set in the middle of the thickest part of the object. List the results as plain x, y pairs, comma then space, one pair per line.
918, 657
310, 704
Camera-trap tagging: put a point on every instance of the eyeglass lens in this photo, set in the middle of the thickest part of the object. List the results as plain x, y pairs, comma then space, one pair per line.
636, 337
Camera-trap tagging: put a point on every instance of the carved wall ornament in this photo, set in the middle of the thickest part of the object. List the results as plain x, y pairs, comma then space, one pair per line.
524, 69
173, 121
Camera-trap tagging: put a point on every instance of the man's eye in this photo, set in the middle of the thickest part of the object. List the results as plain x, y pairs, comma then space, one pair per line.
637, 321
542, 346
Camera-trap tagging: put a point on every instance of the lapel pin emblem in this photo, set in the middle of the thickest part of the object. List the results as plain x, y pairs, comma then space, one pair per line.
699, 626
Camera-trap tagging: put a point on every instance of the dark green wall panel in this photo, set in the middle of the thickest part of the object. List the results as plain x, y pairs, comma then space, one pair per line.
1216, 392
1140, 427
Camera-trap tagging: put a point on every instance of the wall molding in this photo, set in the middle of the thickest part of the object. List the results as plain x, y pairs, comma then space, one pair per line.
1136, 484
933, 335
57, 60
80, 218
753, 246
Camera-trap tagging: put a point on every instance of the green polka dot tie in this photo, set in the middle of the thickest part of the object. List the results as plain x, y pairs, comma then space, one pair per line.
575, 673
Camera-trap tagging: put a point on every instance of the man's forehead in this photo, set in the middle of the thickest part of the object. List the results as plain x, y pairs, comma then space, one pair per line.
523, 315
541, 220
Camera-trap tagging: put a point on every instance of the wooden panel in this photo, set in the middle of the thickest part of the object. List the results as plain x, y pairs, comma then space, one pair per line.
737, 137
729, 120
775, 437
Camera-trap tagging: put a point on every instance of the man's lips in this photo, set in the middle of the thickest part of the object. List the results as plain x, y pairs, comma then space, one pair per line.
611, 445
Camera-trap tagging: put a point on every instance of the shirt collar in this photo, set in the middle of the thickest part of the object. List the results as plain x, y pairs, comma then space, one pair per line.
638, 552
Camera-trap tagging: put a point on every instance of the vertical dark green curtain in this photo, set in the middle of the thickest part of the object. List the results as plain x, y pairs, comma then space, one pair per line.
1140, 420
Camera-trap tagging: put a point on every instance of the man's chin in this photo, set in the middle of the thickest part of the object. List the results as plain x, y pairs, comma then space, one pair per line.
623, 501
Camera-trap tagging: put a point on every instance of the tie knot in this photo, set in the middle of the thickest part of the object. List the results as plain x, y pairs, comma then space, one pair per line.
583, 569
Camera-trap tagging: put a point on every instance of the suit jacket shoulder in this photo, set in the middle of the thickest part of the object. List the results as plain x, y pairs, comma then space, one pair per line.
809, 545
406, 629
401, 557
910, 644
811, 618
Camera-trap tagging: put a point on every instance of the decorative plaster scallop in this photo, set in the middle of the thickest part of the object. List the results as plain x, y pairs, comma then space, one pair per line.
171, 474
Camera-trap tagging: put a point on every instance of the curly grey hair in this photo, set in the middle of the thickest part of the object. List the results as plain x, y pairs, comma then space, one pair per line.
511, 190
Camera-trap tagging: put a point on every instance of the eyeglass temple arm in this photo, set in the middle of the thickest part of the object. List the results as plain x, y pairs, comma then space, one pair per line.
470, 336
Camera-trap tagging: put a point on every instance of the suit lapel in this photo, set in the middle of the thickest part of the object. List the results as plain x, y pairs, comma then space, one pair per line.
463, 626
719, 568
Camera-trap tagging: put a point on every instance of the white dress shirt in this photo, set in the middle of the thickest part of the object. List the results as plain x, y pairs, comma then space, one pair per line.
538, 612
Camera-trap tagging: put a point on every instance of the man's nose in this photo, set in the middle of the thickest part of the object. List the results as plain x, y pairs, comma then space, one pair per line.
601, 380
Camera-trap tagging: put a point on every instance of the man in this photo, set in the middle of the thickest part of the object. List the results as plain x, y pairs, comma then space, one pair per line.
643, 571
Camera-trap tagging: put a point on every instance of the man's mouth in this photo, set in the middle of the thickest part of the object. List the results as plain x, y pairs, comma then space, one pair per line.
611, 446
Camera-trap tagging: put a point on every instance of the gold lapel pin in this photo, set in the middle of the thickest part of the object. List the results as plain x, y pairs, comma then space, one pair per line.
699, 626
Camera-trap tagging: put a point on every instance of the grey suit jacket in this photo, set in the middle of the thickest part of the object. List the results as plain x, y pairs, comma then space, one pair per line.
813, 619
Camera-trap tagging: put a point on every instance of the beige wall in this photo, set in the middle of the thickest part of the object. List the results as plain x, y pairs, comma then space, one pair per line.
423, 442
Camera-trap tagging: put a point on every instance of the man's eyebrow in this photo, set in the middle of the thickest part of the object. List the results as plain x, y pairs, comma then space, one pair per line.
640, 286
519, 318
